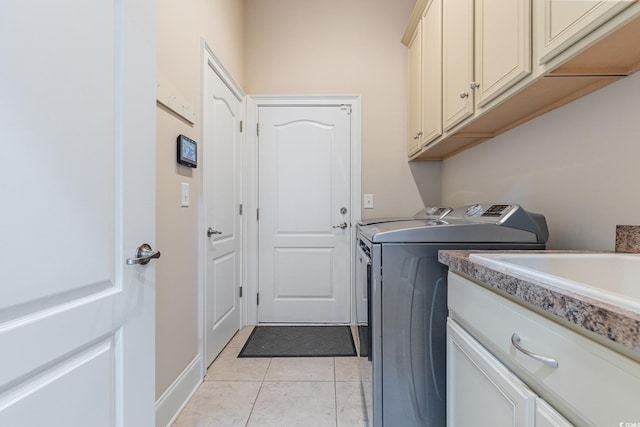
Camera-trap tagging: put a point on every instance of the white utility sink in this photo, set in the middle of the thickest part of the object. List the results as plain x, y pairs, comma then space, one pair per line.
613, 278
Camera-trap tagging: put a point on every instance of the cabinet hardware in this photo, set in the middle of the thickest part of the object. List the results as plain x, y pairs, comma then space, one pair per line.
515, 340
474, 85
464, 95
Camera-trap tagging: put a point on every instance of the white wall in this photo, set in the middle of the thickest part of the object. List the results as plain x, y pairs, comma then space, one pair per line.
578, 165
346, 47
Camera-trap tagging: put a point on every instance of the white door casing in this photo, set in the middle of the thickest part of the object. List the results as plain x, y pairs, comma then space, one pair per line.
221, 188
78, 182
305, 246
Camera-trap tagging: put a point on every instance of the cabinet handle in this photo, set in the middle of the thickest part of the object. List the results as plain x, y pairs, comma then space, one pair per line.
515, 340
418, 135
464, 95
474, 85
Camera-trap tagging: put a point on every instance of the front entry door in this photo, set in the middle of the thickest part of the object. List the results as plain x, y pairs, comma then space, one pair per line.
304, 213
78, 188
222, 189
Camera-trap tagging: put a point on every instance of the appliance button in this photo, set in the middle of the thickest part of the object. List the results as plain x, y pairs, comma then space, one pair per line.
474, 209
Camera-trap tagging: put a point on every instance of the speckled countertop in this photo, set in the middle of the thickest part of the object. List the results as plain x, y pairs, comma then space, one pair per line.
613, 323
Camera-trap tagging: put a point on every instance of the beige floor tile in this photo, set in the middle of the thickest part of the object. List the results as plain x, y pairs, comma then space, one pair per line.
301, 369
229, 367
351, 411
240, 337
294, 404
220, 403
348, 368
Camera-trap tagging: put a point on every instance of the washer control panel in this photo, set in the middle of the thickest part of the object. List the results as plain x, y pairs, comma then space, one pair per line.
433, 212
482, 212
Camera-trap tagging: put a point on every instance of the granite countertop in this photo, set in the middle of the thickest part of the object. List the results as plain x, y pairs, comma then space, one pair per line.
615, 325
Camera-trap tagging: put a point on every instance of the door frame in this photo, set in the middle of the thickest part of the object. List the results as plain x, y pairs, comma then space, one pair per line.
211, 61
250, 222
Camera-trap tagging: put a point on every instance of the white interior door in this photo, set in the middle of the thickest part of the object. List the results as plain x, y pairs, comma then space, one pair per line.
221, 186
304, 218
77, 114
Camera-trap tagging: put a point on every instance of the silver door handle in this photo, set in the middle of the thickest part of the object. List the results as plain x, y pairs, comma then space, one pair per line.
515, 340
343, 226
211, 232
144, 254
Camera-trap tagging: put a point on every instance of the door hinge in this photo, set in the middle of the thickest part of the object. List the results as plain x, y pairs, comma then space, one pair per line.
258, 214
241, 127
240, 291
240, 210
257, 129
258, 298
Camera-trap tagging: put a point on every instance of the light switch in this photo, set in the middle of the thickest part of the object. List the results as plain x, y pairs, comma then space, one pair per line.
368, 201
184, 197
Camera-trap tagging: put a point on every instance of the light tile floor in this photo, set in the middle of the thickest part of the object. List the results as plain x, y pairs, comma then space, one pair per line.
278, 392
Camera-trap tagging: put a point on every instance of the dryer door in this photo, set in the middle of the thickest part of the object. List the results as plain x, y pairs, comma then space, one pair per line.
413, 336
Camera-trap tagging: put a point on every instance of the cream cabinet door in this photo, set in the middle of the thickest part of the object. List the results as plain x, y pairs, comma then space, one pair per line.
546, 416
561, 23
502, 46
480, 390
457, 61
431, 72
415, 92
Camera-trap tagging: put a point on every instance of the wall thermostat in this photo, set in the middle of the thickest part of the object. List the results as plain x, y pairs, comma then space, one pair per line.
187, 152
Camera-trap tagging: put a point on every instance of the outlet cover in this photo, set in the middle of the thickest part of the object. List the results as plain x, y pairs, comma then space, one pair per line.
368, 201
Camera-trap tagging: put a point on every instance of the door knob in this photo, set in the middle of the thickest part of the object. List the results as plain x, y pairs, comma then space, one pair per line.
343, 226
211, 232
144, 254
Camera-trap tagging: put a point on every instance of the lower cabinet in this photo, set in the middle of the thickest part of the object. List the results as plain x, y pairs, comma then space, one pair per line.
546, 416
482, 391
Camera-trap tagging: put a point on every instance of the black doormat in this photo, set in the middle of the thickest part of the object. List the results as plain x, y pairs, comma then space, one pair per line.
299, 341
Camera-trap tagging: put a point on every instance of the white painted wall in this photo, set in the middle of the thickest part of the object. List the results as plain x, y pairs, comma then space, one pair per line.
578, 165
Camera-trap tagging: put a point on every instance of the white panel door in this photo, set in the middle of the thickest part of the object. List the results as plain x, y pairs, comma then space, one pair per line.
304, 202
77, 114
221, 189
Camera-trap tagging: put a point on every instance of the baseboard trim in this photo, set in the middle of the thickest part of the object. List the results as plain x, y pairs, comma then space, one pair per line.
174, 399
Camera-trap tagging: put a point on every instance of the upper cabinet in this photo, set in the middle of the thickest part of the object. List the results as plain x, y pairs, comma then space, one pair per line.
415, 91
504, 62
457, 61
561, 23
486, 50
425, 79
502, 47
431, 72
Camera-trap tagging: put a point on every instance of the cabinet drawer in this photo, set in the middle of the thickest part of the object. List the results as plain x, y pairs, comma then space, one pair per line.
592, 384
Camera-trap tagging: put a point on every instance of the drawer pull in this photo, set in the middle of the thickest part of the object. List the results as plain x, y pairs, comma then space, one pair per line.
515, 340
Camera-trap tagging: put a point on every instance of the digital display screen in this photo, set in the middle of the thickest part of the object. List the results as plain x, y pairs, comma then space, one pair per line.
187, 152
